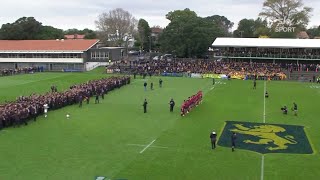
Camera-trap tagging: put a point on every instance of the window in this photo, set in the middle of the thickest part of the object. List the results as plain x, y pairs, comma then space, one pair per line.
103, 54
93, 55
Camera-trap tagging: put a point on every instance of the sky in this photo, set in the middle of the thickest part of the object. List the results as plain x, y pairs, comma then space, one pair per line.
67, 14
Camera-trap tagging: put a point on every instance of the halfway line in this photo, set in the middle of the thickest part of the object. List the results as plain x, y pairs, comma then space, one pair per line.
147, 146
264, 102
262, 167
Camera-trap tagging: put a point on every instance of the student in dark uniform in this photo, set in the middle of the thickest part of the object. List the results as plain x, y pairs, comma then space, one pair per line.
213, 137
145, 103
295, 109
97, 99
254, 84
233, 141
284, 109
102, 94
88, 99
160, 83
151, 85
145, 86
80, 101
266, 94
172, 103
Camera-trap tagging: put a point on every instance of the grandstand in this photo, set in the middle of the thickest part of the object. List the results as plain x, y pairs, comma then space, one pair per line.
301, 57
55, 55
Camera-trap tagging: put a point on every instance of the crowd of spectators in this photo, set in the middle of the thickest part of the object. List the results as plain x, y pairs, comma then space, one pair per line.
270, 53
25, 70
25, 108
230, 68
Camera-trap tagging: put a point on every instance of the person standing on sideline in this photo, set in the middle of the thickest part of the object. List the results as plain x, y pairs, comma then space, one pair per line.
160, 83
295, 109
45, 109
145, 86
145, 103
233, 141
254, 84
172, 103
213, 81
97, 98
213, 137
80, 100
151, 85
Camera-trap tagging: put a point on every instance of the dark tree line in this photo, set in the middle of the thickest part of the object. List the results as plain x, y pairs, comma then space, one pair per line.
28, 28
189, 35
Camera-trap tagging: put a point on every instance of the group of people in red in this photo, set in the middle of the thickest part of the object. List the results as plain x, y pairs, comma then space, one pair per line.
192, 102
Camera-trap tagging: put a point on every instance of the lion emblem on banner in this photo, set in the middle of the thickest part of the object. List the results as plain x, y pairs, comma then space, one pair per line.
267, 135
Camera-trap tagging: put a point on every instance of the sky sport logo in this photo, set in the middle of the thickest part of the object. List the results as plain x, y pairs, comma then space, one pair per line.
285, 26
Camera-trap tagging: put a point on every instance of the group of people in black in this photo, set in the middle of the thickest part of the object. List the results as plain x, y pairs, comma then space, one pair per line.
25, 70
294, 108
25, 108
213, 138
145, 102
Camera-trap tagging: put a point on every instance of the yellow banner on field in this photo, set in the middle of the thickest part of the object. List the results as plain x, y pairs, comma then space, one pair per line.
237, 76
216, 76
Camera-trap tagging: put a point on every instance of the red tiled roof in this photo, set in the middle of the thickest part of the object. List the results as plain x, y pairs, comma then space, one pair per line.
156, 30
74, 36
47, 45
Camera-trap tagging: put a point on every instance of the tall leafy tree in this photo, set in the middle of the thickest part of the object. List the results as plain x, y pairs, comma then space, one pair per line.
23, 28
49, 32
188, 35
288, 12
222, 22
314, 31
250, 28
144, 34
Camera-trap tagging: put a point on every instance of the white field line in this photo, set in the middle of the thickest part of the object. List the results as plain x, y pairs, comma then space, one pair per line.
262, 167
147, 146
141, 145
264, 121
264, 102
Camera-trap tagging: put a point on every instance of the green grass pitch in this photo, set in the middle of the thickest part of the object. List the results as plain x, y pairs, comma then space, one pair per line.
113, 139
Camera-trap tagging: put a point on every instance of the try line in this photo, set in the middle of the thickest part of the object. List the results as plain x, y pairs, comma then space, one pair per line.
264, 121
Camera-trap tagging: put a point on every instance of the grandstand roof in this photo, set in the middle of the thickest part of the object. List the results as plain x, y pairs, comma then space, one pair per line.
267, 42
46, 45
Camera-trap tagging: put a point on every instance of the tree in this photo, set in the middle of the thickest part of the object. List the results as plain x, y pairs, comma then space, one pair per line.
188, 35
314, 31
222, 22
288, 12
23, 28
250, 28
115, 25
246, 28
49, 32
144, 33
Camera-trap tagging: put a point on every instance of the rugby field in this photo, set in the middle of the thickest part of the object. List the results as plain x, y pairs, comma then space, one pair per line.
114, 139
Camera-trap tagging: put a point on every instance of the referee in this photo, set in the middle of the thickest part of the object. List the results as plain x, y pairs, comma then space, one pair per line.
213, 137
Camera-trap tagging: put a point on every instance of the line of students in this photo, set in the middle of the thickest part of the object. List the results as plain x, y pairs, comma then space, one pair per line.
191, 102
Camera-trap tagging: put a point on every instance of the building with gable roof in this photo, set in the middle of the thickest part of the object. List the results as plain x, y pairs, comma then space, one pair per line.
56, 55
